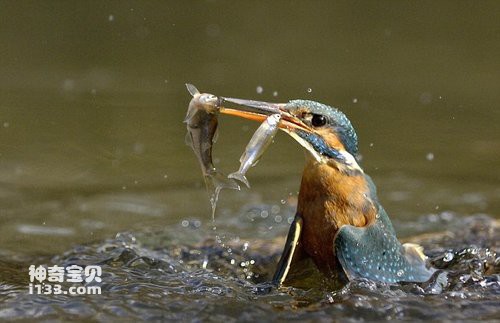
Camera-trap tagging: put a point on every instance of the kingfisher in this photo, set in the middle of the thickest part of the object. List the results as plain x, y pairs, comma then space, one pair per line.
339, 223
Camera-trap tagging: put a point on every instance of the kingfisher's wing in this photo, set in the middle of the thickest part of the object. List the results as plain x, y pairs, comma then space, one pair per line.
289, 251
375, 253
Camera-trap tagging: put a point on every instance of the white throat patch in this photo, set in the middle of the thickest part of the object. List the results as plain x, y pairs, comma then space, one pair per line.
350, 165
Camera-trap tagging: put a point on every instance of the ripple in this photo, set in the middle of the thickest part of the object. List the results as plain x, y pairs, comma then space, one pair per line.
152, 275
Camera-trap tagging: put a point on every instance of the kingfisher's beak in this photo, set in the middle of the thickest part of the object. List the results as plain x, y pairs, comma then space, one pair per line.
259, 111
290, 123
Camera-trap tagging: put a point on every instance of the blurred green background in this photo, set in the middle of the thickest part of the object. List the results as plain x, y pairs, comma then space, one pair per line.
92, 99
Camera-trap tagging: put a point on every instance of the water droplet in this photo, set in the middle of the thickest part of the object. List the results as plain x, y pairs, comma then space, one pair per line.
259, 89
330, 299
309, 90
371, 144
111, 18
377, 216
264, 214
233, 261
68, 85
400, 273
213, 30
185, 223
425, 98
278, 219
275, 209
283, 201
275, 93
355, 100
430, 156
448, 257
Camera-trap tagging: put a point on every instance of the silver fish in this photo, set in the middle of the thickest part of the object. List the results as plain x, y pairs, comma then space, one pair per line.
201, 120
261, 139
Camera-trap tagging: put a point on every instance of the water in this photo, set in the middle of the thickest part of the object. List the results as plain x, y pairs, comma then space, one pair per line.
158, 275
94, 170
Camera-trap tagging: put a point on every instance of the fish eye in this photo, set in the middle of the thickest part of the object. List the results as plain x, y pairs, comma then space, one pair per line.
318, 120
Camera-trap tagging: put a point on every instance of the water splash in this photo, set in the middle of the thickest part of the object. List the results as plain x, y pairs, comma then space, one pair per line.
152, 275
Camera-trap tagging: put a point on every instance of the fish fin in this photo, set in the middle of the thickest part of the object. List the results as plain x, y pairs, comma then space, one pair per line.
215, 181
243, 157
192, 89
190, 113
188, 140
240, 177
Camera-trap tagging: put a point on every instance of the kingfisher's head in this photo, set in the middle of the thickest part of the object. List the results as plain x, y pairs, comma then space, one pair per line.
324, 131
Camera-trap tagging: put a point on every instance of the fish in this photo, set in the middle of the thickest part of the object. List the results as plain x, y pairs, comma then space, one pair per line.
201, 121
256, 147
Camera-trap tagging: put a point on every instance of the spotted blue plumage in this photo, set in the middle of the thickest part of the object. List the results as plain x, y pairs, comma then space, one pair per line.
375, 253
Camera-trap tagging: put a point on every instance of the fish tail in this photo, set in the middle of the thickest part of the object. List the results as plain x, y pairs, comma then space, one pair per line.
219, 181
216, 181
240, 177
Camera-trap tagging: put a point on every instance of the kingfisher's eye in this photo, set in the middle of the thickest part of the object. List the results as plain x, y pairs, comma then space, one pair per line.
318, 120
